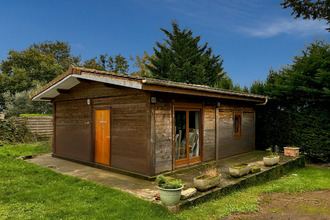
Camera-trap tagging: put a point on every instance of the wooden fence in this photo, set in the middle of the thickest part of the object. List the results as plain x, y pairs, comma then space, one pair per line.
42, 125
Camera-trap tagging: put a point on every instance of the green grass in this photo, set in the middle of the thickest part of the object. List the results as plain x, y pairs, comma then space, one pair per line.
28, 115
28, 191
25, 149
246, 200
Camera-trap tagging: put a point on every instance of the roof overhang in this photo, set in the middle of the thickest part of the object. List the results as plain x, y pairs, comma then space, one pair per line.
74, 75
72, 80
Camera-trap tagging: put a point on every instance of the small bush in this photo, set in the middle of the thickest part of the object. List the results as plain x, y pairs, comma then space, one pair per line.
168, 183
13, 132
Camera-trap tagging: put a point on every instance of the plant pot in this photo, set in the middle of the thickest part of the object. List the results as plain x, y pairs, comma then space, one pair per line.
239, 170
170, 197
271, 161
204, 184
291, 151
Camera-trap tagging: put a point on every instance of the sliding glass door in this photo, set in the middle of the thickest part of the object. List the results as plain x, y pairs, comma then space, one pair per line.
187, 136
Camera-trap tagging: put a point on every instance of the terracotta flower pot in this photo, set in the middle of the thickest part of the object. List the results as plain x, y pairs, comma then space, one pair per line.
291, 151
271, 161
239, 170
204, 184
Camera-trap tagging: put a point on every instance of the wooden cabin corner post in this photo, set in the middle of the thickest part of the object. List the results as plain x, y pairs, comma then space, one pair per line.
91, 126
216, 133
151, 134
54, 127
173, 133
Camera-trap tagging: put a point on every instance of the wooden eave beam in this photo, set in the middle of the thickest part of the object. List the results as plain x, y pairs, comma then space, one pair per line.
84, 80
46, 98
158, 88
63, 91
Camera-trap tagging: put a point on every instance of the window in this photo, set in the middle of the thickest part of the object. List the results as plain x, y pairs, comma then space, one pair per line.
237, 124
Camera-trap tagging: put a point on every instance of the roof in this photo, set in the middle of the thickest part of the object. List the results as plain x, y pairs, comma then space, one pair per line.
74, 75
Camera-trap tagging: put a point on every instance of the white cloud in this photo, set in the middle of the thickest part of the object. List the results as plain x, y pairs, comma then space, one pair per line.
290, 26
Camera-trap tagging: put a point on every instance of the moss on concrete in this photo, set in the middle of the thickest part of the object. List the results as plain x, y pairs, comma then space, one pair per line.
250, 180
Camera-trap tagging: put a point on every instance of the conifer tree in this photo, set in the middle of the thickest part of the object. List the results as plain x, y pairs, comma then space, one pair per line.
181, 58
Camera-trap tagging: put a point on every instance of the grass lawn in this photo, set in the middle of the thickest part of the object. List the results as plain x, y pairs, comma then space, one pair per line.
31, 192
28, 191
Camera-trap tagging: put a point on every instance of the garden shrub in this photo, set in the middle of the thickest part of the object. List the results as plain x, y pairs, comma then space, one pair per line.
12, 131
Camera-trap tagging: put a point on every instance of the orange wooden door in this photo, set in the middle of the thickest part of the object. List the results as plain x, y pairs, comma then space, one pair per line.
102, 136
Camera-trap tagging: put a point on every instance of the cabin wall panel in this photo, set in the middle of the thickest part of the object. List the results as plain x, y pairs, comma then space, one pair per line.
228, 144
163, 132
72, 123
209, 133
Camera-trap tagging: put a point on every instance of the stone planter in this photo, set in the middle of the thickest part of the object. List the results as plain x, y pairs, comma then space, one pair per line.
271, 161
291, 151
170, 197
203, 184
239, 170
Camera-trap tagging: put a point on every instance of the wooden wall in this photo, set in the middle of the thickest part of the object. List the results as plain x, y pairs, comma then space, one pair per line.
73, 130
209, 133
42, 125
130, 124
163, 132
228, 144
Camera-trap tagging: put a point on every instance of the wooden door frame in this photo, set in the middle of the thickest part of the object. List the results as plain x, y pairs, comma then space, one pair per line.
93, 137
188, 160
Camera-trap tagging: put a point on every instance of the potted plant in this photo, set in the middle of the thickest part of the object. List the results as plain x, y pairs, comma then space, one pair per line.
291, 151
169, 190
273, 158
239, 170
210, 178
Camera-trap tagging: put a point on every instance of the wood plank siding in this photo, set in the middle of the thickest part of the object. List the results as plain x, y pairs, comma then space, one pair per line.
209, 133
229, 144
129, 124
73, 132
163, 130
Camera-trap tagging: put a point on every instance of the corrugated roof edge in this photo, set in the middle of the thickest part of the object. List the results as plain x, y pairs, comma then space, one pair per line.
79, 70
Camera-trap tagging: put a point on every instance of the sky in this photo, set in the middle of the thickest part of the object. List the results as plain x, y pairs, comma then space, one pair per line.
251, 36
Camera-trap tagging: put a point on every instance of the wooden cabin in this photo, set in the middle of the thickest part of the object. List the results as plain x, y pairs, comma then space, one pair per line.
146, 126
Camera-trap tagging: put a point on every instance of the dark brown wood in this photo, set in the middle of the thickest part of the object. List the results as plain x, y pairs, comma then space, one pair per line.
228, 143
54, 127
150, 134
174, 90
84, 80
238, 116
72, 134
63, 91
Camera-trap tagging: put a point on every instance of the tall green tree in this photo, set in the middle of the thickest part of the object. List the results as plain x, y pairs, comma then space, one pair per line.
182, 58
308, 9
141, 63
116, 63
298, 112
38, 64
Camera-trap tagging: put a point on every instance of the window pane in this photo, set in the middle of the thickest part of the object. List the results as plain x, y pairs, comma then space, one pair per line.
194, 133
236, 124
180, 135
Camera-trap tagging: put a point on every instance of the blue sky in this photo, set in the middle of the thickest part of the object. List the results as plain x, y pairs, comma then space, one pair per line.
251, 35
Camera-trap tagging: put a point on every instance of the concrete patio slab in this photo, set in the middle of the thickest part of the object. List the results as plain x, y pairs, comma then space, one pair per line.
142, 188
